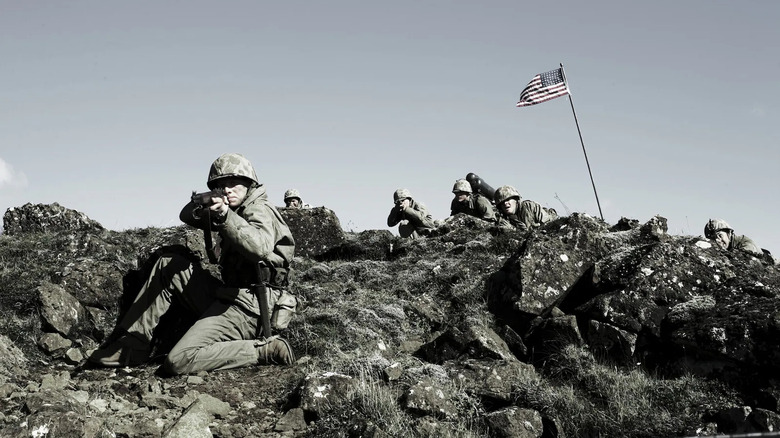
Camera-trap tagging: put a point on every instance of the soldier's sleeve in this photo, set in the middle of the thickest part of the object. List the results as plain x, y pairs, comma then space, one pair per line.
187, 215
746, 244
255, 236
455, 208
531, 213
394, 217
486, 209
419, 216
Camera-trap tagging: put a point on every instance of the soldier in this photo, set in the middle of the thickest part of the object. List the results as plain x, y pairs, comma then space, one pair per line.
523, 214
225, 335
292, 199
412, 216
470, 203
723, 235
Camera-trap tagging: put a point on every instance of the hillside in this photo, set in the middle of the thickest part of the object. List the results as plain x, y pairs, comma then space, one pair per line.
577, 329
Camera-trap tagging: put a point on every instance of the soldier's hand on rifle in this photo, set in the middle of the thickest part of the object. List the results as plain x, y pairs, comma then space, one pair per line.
402, 205
219, 205
215, 200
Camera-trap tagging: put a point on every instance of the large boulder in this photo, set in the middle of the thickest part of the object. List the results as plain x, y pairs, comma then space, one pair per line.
315, 230
31, 218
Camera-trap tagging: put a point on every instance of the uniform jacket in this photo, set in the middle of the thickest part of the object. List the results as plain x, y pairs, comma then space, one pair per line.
475, 205
252, 232
529, 214
746, 244
416, 214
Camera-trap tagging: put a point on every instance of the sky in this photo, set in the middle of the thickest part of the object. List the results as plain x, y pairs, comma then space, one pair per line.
117, 109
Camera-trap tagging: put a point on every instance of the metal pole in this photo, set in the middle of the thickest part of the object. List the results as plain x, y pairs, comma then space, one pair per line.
583, 147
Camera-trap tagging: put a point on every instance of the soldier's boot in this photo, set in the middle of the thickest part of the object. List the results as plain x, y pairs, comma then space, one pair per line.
274, 351
127, 350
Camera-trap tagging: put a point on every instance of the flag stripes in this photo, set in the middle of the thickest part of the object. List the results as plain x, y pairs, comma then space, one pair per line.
543, 87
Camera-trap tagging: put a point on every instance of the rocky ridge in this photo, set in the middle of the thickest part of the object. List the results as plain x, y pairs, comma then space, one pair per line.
472, 331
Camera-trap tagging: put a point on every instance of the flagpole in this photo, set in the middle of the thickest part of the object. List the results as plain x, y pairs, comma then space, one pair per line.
583, 145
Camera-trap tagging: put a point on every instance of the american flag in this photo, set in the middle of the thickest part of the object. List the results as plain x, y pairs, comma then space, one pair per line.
543, 87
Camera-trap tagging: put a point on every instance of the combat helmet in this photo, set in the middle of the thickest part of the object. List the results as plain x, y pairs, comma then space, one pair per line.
291, 193
461, 185
231, 165
715, 225
401, 194
505, 192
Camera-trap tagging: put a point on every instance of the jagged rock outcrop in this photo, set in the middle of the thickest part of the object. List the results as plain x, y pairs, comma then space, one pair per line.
462, 329
31, 218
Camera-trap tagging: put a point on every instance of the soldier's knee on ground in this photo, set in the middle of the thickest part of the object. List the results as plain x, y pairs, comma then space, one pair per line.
177, 363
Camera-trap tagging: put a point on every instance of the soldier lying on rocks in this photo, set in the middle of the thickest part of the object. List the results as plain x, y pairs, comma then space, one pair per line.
721, 232
473, 204
226, 333
523, 214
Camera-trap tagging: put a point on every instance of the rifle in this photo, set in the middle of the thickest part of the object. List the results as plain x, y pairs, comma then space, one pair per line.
260, 289
202, 201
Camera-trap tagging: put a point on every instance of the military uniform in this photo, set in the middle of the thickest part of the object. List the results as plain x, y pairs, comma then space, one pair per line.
413, 219
529, 214
225, 334
744, 243
294, 194
741, 243
476, 205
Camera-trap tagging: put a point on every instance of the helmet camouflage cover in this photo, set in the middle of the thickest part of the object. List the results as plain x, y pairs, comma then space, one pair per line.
401, 194
505, 192
231, 165
715, 225
461, 185
291, 193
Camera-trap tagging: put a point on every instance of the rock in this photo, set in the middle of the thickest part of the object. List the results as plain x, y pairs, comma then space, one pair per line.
54, 344
549, 335
214, 406
58, 381
60, 311
38, 218
495, 380
606, 340
515, 422
315, 230
470, 340
291, 421
12, 360
321, 393
193, 423
427, 398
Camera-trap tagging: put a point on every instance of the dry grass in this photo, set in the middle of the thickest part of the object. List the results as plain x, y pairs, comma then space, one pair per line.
599, 400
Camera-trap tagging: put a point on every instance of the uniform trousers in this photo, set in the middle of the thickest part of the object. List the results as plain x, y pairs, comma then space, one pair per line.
223, 337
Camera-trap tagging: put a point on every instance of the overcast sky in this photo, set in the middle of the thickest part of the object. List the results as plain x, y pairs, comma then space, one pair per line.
117, 109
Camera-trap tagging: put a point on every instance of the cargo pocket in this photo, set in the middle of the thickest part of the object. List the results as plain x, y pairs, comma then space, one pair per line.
284, 310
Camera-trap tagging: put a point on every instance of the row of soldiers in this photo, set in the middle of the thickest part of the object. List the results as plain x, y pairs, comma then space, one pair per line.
510, 210
414, 220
